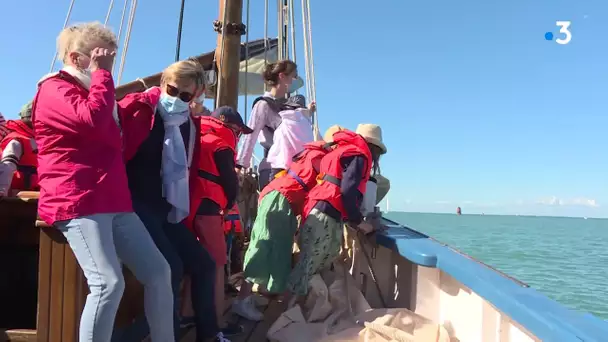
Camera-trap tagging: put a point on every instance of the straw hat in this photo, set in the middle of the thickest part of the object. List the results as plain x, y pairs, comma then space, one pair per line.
372, 134
329, 134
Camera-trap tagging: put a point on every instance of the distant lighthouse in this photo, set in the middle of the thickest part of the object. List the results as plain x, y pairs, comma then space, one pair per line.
458, 211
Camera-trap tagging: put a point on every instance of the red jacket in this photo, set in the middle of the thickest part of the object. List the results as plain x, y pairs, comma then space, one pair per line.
301, 176
330, 172
80, 164
26, 176
204, 182
136, 113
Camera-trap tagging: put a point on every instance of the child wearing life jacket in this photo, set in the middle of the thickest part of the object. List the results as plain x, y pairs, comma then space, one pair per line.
233, 230
335, 200
290, 136
214, 191
268, 257
19, 155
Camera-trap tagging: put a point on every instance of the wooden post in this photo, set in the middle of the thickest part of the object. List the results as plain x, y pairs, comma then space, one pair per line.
228, 52
61, 288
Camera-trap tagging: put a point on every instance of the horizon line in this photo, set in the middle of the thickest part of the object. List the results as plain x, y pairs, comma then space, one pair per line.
494, 214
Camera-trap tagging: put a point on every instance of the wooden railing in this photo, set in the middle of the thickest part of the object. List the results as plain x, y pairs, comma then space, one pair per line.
62, 288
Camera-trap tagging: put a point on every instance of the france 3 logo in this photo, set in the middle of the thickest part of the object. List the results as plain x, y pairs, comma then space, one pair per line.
564, 29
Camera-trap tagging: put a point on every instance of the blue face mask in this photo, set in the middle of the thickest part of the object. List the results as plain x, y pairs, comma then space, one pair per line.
173, 105
295, 85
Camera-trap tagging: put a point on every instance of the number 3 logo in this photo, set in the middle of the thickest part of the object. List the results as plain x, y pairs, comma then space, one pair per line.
564, 25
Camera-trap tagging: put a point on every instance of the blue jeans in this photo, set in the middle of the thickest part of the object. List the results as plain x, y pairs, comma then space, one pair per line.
185, 255
100, 242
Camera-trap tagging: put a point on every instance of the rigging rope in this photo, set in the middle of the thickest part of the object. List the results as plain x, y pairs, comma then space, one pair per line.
292, 24
265, 38
309, 62
306, 51
246, 60
122, 21
311, 57
105, 22
280, 28
65, 24
179, 30
125, 48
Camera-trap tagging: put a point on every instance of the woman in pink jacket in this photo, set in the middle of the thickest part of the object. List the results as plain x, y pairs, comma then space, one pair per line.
83, 184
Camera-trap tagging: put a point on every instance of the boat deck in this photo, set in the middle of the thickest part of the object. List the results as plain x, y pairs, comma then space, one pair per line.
253, 331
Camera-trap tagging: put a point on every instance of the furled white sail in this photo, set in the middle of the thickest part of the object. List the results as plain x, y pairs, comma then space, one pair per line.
251, 82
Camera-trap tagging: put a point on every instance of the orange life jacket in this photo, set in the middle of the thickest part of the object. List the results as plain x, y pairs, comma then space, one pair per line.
26, 176
347, 144
233, 218
214, 137
295, 182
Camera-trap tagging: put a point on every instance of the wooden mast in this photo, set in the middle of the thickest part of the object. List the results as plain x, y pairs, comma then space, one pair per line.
227, 51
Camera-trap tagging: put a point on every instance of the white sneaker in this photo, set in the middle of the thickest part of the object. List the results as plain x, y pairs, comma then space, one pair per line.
220, 338
246, 308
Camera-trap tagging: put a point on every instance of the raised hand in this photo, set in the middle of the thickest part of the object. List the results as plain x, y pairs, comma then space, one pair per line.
312, 106
102, 59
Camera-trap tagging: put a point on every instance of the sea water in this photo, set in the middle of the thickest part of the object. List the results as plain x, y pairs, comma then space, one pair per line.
563, 258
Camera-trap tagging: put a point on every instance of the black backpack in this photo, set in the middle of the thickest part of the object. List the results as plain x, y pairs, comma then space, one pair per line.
276, 105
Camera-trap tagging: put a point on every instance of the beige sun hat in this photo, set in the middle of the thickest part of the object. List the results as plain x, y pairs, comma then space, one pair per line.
372, 134
329, 134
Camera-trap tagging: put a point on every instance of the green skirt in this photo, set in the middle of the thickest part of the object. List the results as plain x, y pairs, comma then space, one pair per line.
320, 241
268, 257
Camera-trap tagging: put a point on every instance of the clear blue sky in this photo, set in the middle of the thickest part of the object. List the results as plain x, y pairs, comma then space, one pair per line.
477, 108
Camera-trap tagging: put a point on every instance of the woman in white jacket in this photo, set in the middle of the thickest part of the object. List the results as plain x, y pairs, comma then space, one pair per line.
290, 136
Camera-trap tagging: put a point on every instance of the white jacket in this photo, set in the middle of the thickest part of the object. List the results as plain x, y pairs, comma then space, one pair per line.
290, 136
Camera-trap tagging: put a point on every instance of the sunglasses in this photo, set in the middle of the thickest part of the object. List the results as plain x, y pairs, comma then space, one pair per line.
184, 95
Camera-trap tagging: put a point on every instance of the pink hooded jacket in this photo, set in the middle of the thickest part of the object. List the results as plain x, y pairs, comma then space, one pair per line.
80, 160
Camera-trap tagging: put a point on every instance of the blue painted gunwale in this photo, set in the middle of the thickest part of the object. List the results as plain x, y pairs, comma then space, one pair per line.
543, 317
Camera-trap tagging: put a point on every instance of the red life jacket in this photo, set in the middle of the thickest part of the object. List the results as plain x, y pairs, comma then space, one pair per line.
26, 176
233, 218
330, 174
301, 176
214, 137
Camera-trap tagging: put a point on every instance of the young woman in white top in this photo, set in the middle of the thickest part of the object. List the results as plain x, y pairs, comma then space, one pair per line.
290, 136
265, 116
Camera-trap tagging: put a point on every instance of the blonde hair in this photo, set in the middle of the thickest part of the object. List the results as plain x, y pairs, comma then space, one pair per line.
185, 72
82, 37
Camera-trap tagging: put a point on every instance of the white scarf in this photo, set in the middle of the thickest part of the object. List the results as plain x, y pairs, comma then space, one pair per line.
85, 80
174, 169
